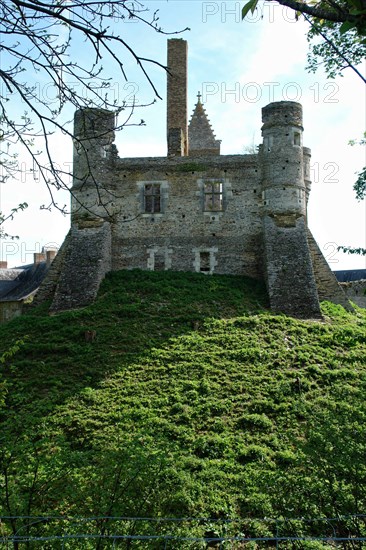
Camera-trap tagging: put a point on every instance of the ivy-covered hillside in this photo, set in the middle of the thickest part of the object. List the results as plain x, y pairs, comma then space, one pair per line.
182, 396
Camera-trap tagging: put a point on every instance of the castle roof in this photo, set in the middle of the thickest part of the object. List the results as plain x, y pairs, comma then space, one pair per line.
202, 140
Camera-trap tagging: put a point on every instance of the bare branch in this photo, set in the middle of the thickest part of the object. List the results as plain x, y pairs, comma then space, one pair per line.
31, 45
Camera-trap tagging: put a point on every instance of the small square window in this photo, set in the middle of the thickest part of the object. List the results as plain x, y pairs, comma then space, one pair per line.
159, 262
152, 202
213, 197
205, 262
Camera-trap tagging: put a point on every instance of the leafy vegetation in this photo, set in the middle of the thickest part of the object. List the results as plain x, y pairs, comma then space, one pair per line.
193, 400
337, 33
360, 184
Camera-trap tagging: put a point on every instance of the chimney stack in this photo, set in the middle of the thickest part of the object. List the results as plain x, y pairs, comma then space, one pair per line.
3, 265
177, 114
38, 257
50, 256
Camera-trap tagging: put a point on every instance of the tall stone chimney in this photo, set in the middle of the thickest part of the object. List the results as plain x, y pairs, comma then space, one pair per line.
177, 114
50, 256
38, 257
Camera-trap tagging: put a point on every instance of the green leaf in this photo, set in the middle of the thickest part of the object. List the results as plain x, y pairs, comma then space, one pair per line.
249, 6
254, 6
346, 26
357, 4
358, 12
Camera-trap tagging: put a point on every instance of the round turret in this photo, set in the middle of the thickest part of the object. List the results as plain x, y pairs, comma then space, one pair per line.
284, 189
282, 113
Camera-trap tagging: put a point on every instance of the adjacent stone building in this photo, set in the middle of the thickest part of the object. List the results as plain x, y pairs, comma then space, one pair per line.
193, 210
18, 285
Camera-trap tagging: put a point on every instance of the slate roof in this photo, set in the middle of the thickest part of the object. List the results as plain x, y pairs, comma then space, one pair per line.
20, 282
348, 275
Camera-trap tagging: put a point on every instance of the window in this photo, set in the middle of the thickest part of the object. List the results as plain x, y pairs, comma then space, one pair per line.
268, 143
205, 262
152, 202
297, 138
159, 258
159, 262
213, 197
152, 197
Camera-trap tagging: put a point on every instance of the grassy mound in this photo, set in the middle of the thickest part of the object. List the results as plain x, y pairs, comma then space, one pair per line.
189, 399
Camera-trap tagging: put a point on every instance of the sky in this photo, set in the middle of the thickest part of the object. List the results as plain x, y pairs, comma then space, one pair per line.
238, 67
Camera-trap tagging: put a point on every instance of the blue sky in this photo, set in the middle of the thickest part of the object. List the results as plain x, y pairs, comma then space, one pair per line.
239, 67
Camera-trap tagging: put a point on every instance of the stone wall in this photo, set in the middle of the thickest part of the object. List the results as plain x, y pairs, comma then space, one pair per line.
87, 260
355, 291
174, 237
289, 272
49, 283
327, 284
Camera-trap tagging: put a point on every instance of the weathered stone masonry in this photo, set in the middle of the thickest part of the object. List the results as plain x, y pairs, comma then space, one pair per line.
195, 210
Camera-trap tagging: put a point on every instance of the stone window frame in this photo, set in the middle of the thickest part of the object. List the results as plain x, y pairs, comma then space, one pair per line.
205, 261
268, 143
226, 193
163, 184
212, 252
213, 196
164, 251
296, 138
152, 198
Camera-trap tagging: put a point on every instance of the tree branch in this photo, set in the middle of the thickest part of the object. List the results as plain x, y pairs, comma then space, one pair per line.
334, 47
319, 12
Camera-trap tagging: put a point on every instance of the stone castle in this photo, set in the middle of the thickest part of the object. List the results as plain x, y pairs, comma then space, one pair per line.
193, 210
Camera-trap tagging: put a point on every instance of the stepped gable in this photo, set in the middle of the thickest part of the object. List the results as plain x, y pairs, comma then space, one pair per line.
200, 134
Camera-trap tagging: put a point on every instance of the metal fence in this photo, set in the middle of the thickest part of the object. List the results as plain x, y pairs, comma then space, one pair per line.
105, 532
